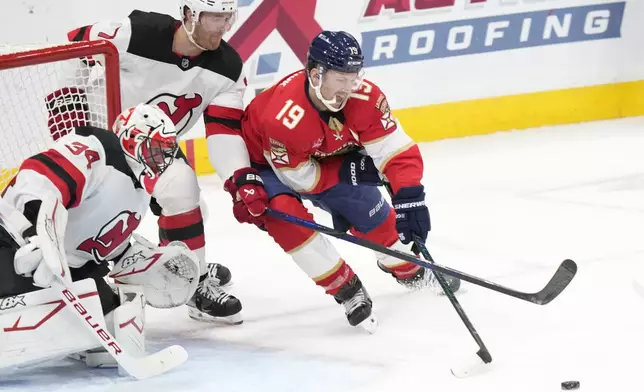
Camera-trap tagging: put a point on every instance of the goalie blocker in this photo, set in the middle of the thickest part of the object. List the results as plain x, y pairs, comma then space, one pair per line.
34, 324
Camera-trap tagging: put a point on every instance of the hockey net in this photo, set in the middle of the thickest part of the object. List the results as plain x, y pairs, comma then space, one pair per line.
45, 92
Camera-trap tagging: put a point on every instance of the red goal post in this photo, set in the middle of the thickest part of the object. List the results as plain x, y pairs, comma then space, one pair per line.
45, 91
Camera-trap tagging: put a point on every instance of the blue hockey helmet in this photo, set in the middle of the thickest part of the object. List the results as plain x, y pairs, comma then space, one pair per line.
340, 52
336, 50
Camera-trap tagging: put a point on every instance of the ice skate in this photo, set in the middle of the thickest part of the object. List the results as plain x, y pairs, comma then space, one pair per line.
211, 303
425, 278
357, 305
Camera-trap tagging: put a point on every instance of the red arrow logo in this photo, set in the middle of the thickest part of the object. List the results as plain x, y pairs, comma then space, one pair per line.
293, 19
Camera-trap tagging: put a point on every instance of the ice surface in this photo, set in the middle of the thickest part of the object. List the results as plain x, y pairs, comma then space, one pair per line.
508, 207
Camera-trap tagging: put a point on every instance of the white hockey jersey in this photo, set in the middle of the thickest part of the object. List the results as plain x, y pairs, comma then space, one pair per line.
211, 84
88, 173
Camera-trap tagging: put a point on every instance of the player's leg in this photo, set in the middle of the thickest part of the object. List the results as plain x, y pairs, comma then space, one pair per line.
178, 194
314, 253
221, 272
370, 216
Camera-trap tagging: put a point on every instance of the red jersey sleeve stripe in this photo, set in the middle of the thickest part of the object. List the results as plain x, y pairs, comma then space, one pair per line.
80, 34
182, 220
37, 165
61, 172
224, 112
222, 120
72, 171
215, 128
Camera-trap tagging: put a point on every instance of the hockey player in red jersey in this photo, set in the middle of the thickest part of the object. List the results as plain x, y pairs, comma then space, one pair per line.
326, 134
103, 181
187, 69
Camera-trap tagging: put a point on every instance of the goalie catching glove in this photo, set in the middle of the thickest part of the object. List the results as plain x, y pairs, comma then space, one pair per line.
168, 274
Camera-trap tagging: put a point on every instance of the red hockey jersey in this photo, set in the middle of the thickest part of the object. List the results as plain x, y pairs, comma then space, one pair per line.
304, 146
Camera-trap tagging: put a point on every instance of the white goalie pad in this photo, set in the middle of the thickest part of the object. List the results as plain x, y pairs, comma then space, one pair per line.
37, 326
168, 275
127, 324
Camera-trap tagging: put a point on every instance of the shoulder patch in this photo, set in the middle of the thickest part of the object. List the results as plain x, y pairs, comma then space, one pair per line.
279, 154
382, 104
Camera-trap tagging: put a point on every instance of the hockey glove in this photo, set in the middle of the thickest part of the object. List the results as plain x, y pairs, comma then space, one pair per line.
28, 261
249, 197
358, 169
412, 215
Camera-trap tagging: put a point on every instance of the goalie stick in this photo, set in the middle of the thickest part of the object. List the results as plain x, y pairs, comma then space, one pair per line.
54, 255
559, 281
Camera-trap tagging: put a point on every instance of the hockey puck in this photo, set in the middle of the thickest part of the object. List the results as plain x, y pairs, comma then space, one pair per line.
569, 385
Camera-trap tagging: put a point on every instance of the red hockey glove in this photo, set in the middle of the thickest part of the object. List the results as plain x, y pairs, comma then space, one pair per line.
249, 197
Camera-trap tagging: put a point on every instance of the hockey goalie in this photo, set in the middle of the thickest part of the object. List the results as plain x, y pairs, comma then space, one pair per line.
89, 192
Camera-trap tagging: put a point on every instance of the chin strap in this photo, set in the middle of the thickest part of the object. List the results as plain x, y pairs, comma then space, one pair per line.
327, 102
190, 32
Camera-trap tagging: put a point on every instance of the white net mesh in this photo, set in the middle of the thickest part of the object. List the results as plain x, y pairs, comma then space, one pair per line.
40, 101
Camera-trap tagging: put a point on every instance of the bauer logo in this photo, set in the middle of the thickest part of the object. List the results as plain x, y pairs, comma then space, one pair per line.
492, 34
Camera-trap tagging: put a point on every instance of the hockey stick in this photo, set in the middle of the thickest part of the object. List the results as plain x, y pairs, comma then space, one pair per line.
559, 281
54, 255
483, 353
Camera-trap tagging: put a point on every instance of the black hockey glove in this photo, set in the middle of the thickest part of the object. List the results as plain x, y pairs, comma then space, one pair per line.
358, 169
412, 215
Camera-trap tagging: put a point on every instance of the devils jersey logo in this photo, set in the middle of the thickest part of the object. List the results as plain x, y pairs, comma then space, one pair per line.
180, 109
111, 235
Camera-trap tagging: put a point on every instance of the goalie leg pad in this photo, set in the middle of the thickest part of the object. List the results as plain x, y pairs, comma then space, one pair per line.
127, 324
36, 326
168, 275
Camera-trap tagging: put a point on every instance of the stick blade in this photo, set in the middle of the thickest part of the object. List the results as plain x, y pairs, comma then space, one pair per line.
158, 363
560, 280
470, 367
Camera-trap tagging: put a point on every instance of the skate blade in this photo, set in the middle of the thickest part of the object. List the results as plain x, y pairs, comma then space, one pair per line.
370, 324
197, 315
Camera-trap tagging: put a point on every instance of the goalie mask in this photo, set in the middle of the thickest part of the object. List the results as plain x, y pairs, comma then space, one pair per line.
149, 140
